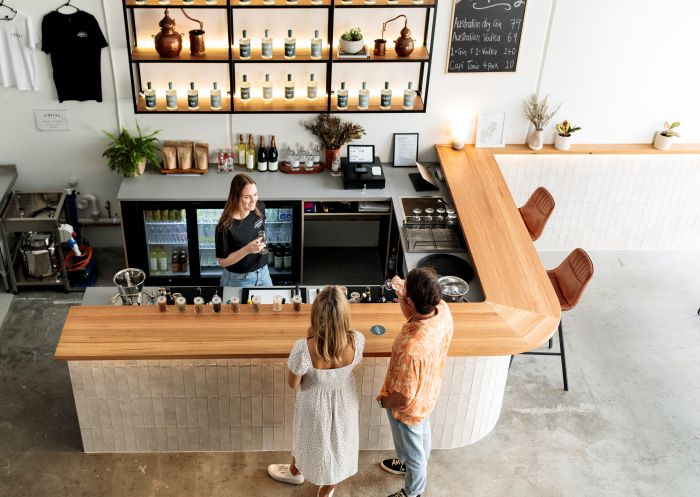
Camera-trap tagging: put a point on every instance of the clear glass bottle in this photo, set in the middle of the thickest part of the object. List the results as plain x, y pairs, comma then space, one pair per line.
363, 97
250, 154
192, 97
289, 88
245, 88
409, 97
316, 46
266, 46
215, 97
150, 97
267, 89
385, 99
290, 46
244, 45
170, 97
342, 97
312, 88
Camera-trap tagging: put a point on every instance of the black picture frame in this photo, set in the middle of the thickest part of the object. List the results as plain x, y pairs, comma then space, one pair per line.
406, 157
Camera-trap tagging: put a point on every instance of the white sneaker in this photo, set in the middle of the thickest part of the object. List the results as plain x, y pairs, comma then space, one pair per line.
280, 472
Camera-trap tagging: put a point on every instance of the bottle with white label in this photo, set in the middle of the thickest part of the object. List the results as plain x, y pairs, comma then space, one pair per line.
241, 150
150, 97
215, 97
409, 97
170, 97
267, 89
244, 45
262, 155
266, 46
162, 260
289, 88
153, 259
363, 97
316, 46
290, 46
312, 88
385, 98
272, 155
192, 97
342, 97
250, 154
245, 88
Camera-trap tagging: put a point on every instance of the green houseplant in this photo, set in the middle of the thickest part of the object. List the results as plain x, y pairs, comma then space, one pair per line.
333, 133
562, 140
128, 154
352, 41
539, 114
664, 138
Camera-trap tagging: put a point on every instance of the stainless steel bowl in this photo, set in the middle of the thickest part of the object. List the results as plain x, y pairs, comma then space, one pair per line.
130, 282
453, 289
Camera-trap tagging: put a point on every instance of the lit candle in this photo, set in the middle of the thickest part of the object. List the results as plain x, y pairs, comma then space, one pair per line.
459, 134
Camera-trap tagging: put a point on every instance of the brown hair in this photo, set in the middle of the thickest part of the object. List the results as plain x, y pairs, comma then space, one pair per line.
235, 200
330, 323
423, 289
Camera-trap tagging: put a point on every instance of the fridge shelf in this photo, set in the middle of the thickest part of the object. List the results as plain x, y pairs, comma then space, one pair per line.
169, 273
163, 241
164, 223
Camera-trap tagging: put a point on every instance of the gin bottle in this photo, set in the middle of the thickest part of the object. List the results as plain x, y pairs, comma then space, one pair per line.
409, 97
289, 88
385, 98
245, 88
192, 97
215, 97
266, 46
170, 97
290, 46
316, 46
311, 88
363, 97
267, 89
244, 45
150, 97
342, 97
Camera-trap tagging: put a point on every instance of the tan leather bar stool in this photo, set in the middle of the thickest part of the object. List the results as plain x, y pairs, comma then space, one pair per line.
536, 211
569, 280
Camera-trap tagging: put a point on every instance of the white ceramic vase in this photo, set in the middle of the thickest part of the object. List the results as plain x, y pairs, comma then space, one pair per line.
536, 140
662, 142
140, 167
562, 142
351, 47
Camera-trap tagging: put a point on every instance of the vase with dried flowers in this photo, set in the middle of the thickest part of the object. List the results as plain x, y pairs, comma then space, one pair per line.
539, 114
333, 133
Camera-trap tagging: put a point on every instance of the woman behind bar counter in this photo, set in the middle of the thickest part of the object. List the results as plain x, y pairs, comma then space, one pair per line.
238, 246
326, 438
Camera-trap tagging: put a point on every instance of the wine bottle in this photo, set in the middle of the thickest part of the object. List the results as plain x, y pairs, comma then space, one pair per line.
311, 88
241, 150
363, 97
170, 97
409, 97
250, 154
272, 156
342, 97
316, 45
289, 88
262, 155
290, 46
215, 97
245, 88
385, 99
287, 258
244, 45
267, 89
192, 97
150, 97
266, 46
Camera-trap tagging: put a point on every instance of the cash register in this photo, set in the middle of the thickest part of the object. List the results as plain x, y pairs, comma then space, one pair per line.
362, 169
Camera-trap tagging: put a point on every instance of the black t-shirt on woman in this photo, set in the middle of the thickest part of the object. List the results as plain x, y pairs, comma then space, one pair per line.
239, 234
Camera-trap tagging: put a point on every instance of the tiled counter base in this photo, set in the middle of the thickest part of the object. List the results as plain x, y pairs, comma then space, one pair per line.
246, 405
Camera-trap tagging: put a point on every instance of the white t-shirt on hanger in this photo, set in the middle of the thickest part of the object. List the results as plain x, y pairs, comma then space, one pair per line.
17, 44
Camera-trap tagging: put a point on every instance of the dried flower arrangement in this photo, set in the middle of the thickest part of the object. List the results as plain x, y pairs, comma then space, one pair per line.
333, 132
537, 112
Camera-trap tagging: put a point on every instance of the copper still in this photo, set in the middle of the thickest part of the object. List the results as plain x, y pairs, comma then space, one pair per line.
168, 41
196, 37
404, 44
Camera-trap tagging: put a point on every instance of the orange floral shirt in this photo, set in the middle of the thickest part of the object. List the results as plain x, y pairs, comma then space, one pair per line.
417, 364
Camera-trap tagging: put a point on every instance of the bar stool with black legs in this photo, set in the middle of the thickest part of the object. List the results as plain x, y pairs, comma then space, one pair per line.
536, 211
569, 280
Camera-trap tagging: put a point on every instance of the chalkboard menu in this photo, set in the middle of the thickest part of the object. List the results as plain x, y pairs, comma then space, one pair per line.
485, 35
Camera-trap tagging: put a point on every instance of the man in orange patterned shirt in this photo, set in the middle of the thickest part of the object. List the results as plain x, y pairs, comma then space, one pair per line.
412, 383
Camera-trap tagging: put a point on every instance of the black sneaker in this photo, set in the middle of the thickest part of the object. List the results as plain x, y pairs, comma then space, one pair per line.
393, 466
400, 493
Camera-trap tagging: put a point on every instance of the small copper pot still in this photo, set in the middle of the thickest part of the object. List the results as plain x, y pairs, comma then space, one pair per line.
404, 44
380, 47
197, 48
168, 42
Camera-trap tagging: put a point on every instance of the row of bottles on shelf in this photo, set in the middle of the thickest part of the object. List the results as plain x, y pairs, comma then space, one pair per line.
280, 257
192, 97
158, 260
290, 46
169, 215
246, 155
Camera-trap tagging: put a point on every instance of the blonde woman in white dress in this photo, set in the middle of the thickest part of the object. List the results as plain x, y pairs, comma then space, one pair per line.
325, 447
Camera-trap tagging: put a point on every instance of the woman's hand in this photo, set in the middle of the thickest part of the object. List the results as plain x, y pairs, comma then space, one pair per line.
398, 285
256, 246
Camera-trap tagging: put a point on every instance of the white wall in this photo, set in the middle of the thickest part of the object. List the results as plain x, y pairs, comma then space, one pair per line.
619, 68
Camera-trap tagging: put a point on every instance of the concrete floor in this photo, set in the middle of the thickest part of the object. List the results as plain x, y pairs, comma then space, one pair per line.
628, 427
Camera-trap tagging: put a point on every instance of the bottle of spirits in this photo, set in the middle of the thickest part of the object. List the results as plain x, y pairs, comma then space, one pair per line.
245, 88
266, 46
409, 97
385, 99
272, 155
175, 262
250, 154
192, 97
215, 97
342, 97
289, 88
171, 97
312, 88
267, 89
316, 46
363, 97
183, 261
241, 150
287, 258
262, 155
244, 46
150, 97
290, 46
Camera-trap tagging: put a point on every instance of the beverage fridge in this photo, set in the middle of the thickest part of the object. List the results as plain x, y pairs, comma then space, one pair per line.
173, 242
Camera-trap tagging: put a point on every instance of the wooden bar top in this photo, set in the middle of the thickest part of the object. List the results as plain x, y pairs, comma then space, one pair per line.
520, 312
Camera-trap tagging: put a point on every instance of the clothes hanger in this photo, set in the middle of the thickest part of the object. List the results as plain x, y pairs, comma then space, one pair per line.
68, 4
6, 18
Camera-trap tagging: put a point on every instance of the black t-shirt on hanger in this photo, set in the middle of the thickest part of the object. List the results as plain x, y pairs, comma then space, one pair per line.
75, 42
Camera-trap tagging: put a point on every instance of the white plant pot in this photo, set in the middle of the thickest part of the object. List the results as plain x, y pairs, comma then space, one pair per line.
662, 142
562, 142
351, 46
536, 140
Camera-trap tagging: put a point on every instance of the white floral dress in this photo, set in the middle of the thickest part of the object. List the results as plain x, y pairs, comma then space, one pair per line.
326, 435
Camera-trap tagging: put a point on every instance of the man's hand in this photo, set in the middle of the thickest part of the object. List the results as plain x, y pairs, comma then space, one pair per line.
393, 401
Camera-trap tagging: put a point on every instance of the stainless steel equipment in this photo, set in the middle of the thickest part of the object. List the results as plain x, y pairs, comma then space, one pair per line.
39, 255
430, 225
453, 289
130, 283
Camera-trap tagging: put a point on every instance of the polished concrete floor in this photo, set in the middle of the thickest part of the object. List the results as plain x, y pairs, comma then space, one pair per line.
629, 426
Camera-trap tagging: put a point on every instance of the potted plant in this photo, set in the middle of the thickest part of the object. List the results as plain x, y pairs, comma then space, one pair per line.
333, 133
663, 139
537, 112
352, 41
562, 140
128, 154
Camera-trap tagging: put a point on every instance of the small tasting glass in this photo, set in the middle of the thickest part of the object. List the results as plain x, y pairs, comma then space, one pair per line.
198, 305
261, 234
277, 303
216, 303
256, 303
235, 305
181, 304
162, 303
296, 303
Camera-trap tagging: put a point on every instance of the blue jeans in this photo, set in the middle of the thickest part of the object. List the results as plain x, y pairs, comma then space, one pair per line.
412, 445
260, 277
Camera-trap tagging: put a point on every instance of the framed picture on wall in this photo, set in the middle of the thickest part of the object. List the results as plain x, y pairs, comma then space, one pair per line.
490, 128
405, 149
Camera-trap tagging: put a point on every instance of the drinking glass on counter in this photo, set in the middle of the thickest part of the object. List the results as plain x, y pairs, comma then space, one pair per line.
198, 305
181, 304
296, 303
216, 303
162, 303
256, 303
235, 305
277, 303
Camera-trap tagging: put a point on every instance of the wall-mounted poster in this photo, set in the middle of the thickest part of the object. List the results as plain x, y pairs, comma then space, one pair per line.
485, 35
490, 128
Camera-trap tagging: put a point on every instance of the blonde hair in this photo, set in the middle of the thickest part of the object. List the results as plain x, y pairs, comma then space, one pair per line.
330, 323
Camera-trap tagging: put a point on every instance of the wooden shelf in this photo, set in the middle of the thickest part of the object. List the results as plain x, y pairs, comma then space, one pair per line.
142, 54
204, 106
601, 149
303, 55
281, 105
177, 3
279, 4
396, 104
419, 54
383, 4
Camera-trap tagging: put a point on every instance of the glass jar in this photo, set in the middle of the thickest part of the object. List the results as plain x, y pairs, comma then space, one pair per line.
277, 303
181, 304
235, 305
256, 303
216, 303
296, 303
198, 305
162, 303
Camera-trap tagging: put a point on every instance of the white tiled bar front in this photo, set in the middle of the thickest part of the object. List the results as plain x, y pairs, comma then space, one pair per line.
246, 405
